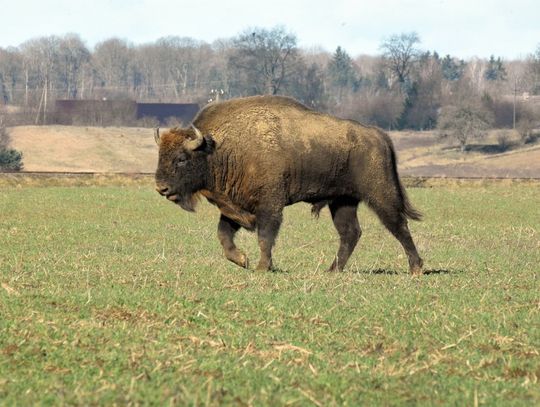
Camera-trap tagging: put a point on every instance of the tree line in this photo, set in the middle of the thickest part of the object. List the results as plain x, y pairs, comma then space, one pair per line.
405, 87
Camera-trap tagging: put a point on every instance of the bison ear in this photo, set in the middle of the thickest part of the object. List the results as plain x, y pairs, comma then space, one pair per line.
157, 137
209, 143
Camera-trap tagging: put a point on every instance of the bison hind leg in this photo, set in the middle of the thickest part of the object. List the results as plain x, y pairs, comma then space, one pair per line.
396, 222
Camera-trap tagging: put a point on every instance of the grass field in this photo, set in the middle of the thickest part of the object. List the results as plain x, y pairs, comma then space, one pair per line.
111, 295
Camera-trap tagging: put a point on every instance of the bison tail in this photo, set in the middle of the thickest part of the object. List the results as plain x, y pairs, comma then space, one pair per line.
408, 211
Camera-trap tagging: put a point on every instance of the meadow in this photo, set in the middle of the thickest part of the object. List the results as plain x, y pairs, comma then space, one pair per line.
111, 295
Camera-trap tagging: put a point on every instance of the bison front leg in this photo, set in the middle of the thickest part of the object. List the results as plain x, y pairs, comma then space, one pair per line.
267, 229
226, 231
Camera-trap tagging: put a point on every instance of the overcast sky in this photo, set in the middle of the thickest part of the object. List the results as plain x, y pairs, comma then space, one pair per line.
462, 28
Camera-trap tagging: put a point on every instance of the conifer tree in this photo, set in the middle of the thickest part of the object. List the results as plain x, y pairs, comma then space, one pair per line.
341, 74
452, 70
495, 70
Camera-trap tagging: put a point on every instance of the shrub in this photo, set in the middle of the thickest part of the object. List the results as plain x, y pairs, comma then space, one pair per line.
507, 138
526, 124
10, 160
502, 110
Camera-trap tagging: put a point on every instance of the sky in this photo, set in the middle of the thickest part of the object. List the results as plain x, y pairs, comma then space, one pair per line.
461, 28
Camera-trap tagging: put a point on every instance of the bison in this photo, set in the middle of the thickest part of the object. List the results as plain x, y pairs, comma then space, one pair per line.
253, 156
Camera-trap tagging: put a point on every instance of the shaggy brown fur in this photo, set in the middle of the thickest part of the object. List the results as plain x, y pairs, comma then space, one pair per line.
254, 156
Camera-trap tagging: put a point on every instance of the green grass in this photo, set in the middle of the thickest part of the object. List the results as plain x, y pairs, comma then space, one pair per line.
112, 295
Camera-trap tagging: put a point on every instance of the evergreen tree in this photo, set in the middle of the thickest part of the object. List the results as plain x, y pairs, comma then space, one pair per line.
341, 74
451, 70
10, 159
308, 86
340, 69
495, 70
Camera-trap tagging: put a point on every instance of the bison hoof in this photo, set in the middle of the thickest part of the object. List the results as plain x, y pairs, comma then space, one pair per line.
239, 258
334, 268
416, 271
264, 266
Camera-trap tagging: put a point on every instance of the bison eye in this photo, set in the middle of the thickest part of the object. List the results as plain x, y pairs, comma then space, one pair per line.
181, 160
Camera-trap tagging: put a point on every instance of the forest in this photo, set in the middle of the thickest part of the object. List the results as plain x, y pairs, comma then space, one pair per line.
404, 87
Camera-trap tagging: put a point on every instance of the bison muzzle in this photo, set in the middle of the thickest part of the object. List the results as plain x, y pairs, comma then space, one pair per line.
253, 156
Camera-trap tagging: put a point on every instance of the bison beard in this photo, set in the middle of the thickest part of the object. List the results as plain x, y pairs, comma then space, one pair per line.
251, 157
186, 202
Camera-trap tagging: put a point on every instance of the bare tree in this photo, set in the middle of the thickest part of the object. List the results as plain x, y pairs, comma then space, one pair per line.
266, 58
184, 65
474, 74
10, 74
464, 122
146, 59
375, 106
177, 56
72, 58
111, 61
41, 59
533, 63
400, 53
221, 75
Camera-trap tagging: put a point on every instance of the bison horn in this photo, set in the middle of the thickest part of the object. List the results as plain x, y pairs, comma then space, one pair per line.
156, 136
197, 141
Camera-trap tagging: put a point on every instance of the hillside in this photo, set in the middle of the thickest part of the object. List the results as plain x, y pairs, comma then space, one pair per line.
422, 154
85, 149
132, 150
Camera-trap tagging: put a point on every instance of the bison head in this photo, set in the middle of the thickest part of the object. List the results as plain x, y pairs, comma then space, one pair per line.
182, 165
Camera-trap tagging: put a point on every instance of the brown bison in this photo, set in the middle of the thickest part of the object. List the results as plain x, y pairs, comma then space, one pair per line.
253, 156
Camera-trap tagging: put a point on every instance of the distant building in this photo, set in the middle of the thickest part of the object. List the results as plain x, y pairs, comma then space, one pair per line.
107, 112
183, 112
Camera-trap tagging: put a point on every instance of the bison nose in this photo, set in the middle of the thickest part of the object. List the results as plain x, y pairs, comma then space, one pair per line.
162, 190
